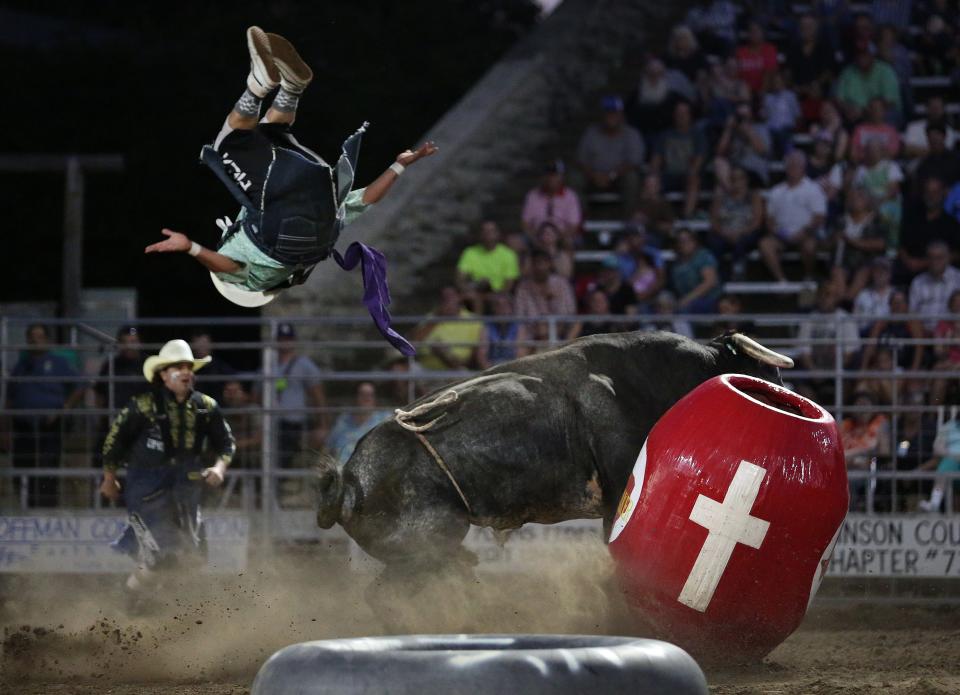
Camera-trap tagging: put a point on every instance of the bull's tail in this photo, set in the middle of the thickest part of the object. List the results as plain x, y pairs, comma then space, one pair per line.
330, 492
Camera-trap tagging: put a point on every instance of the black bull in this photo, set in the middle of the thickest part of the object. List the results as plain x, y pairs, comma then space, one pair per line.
542, 439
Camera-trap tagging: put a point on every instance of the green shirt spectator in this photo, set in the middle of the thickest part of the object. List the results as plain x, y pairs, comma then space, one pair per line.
498, 266
865, 79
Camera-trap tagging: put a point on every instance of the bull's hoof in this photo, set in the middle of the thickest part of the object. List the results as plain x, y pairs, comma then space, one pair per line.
481, 664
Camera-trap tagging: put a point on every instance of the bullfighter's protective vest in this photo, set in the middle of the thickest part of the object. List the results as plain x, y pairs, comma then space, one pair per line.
299, 216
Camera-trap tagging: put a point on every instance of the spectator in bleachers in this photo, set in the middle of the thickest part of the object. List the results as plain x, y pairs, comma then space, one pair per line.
936, 47
829, 175
874, 129
745, 143
938, 162
864, 436
891, 50
502, 339
545, 293
731, 305
488, 266
666, 305
619, 291
931, 289
553, 202
811, 63
818, 337
693, 276
923, 223
641, 266
915, 143
245, 424
857, 239
887, 331
946, 459
127, 363
679, 155
796, 210
736, 220
654, 212
350, 427
715, 24
402, 388
951, 206
684, 54
298, 387
946, 352
873, 301
881, 177
450, 339
596, 304
548, 239
863, 80
830, 127
782, 112
610, 155
519, 243
650, 107
916, 432
881, 388
37, 438
722, 92
202, 347
861, 36
756, 58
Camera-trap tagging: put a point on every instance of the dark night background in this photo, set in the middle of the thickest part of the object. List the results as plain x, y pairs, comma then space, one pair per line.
154, 81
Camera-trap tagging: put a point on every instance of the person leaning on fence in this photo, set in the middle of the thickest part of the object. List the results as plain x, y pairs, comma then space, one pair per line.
174, 441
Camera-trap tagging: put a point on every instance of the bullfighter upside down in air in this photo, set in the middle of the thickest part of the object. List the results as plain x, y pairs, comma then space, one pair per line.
293, 203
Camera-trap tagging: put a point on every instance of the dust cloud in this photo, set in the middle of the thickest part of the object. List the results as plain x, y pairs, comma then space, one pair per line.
217, 628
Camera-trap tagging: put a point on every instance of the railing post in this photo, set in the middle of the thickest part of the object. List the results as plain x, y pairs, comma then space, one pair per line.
4, 367
267, 501
838, 368
894, 419
552, 335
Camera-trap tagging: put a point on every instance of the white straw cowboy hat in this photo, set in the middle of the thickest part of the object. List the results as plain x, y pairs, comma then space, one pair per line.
240, 296
173, 352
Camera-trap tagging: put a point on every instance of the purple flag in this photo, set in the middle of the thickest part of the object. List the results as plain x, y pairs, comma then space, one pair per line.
376, 294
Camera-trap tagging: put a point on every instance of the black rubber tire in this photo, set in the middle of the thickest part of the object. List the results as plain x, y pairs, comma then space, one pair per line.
471, 664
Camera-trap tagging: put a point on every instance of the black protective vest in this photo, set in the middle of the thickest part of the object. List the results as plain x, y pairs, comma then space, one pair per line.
299, 216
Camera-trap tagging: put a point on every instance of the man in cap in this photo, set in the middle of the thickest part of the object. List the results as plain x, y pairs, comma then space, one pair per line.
293, 203
174, 441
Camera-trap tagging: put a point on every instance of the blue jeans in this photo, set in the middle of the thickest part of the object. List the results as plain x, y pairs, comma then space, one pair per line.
164, 520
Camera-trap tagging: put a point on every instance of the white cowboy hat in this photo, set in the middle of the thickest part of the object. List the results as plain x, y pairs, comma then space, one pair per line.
173, 352
240, 296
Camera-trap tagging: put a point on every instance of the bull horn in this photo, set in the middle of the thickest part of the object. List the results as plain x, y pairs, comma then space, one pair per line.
760, 353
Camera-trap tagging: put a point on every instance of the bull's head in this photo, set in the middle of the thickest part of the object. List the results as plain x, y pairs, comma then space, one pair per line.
742, 355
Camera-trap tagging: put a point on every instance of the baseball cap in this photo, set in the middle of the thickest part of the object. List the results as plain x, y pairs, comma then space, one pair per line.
286, 330
611, 102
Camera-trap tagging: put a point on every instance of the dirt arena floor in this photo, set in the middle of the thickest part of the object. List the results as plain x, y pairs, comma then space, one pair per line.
76, 635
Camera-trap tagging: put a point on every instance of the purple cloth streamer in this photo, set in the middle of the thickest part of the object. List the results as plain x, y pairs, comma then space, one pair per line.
376, 294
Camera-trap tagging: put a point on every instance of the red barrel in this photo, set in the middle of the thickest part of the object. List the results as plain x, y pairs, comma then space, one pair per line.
729, 518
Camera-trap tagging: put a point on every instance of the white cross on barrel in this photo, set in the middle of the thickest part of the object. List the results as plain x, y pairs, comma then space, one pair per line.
729, 522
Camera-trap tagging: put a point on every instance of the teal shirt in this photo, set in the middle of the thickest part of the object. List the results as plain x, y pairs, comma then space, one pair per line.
688, 274
259, 271
855, 87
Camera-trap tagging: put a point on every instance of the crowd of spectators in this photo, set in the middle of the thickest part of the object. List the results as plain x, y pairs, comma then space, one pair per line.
797, 140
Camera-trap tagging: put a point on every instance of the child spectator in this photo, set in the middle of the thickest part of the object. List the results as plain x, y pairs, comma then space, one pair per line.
873, 301
881, 178
875, 129
548, 240
782, 111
